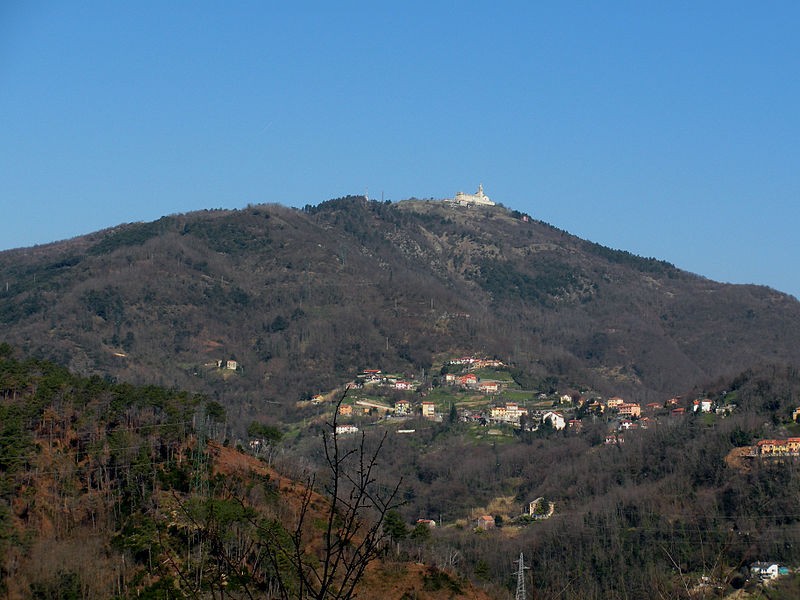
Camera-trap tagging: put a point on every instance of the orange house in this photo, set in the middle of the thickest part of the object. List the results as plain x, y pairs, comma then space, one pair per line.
778, 447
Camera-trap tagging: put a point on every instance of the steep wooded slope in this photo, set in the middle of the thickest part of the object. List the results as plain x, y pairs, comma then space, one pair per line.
303, 299
106, 491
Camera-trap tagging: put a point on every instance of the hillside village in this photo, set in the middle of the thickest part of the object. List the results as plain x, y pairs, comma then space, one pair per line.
481, 391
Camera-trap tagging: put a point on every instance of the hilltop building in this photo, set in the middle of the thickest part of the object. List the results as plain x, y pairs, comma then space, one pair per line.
478, 198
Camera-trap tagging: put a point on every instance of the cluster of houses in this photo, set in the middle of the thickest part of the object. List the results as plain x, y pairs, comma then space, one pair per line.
476, 363
630, 414
626, 415
787, 447
470, 381
622, 415
375, 377
779, 447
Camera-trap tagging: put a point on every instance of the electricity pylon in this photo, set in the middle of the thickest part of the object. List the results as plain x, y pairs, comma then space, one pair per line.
520, 595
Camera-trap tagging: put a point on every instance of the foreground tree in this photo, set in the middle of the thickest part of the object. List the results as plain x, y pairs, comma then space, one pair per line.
353, 534
338, 528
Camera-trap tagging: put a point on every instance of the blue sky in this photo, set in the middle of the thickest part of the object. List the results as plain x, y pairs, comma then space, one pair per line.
667, 129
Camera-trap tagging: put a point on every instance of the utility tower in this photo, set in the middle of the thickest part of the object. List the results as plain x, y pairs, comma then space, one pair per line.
520, 595
200, 474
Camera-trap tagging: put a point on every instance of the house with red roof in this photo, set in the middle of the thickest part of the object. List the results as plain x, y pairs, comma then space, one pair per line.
489, 387
773, 447
468, 380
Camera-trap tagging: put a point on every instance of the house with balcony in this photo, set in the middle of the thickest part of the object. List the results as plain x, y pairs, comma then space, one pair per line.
629, 410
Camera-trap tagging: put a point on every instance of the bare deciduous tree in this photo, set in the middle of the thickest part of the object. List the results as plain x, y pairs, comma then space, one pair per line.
353, 533
338, 529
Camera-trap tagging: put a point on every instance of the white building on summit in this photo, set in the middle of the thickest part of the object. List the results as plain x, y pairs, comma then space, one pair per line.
479, 198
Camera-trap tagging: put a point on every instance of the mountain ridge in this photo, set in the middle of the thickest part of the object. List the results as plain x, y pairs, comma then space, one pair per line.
304, 298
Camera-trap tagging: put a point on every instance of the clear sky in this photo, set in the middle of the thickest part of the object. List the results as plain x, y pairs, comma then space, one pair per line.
669, 129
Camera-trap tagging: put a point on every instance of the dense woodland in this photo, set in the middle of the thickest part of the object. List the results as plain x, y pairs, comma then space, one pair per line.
105, 492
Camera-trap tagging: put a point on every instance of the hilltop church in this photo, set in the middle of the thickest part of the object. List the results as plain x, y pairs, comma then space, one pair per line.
466, 199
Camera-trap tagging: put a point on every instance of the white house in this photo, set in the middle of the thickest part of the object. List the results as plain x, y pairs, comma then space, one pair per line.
345, 429
765, 570
557, 421
489, 387
702, 405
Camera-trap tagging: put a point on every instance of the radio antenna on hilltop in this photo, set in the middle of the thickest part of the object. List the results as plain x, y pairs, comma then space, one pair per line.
520, 595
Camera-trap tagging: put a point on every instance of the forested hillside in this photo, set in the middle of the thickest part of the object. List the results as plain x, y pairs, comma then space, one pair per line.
117, 491
662, 509
302, 300
113, 490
